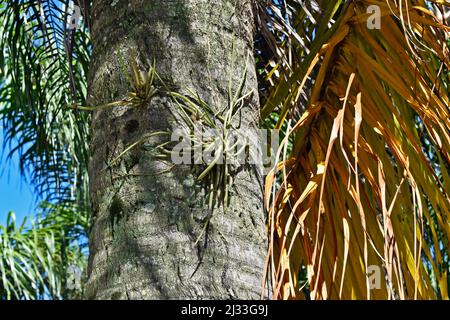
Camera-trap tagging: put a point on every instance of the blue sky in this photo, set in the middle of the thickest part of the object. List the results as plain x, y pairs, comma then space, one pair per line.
15, 193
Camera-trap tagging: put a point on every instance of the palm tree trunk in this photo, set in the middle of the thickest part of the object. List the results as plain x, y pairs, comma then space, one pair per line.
147, 219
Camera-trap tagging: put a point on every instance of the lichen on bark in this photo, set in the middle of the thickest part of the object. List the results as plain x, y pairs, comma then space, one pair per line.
143, 243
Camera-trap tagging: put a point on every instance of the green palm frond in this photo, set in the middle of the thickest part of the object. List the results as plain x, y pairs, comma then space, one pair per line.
38, 262
43, 68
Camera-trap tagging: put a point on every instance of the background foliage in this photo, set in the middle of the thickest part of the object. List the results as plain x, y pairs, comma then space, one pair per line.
43, 69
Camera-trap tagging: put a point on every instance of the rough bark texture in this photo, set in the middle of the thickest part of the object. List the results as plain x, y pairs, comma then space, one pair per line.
145, 225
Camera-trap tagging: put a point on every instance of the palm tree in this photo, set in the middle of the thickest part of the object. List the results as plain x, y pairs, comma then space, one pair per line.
357, 203
155, 234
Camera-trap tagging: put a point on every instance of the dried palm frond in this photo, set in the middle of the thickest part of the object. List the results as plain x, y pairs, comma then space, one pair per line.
43, 68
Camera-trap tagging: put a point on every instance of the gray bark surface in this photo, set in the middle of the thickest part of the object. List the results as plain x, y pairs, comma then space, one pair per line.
145, 224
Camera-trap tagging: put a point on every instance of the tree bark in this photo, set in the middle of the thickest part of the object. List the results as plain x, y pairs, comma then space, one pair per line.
146, 223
